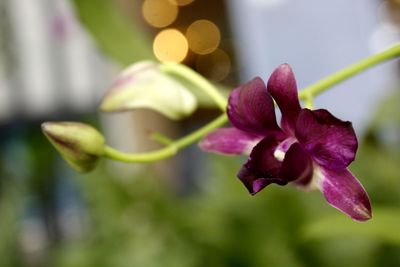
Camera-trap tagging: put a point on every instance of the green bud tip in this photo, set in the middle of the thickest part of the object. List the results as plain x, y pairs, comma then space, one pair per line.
79, 144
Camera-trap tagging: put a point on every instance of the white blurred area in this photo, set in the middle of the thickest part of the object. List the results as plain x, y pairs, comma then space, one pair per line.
318, 38
51, 69
48, 64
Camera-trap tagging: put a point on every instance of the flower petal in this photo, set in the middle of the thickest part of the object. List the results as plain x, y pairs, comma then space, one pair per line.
262, 168
297, 165
345, 193
283, 88
251, 109
230, 141
331, 142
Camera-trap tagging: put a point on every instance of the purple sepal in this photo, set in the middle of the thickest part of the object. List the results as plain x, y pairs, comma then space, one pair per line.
229, 141
344, 192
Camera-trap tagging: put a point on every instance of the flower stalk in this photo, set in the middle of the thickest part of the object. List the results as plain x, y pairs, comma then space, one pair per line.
169, 150
160, 138
306, 94
348, 72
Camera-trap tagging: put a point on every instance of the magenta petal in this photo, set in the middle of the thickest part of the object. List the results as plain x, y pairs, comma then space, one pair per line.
251, 109
283, 88
344, 192
230, 141
262, 168
297, 165
331, 142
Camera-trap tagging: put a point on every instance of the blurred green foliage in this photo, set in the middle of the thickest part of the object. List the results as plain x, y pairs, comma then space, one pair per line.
113, 32
142, 221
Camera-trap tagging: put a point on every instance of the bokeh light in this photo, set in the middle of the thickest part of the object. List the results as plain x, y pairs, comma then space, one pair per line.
159, 13
181, 2
215, 66
170, 45
203, 37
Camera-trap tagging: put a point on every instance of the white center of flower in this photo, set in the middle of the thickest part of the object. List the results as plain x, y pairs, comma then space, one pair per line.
279, 155
281, 149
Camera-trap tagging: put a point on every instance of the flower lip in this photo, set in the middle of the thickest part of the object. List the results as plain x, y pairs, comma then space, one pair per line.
297, 165
261, 168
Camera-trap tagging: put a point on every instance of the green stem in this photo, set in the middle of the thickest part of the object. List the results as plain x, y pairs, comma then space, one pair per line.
169, 150
160, 138
350, 71
309, 101
185, 72
197, 80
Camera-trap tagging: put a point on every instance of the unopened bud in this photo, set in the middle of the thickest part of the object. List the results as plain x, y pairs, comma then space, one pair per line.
78, 143
144, 85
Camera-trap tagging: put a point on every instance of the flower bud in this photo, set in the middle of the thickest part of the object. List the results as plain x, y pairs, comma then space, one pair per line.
78, 143
143, 85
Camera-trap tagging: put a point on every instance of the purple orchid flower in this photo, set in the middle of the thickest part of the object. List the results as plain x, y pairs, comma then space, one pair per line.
311, 149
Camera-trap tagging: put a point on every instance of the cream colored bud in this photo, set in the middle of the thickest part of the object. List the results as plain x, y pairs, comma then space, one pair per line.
143, 85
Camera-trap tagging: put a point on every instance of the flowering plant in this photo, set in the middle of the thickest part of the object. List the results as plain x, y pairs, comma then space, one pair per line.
310, 149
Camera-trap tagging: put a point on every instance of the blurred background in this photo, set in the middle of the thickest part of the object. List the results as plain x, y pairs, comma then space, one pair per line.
58, 58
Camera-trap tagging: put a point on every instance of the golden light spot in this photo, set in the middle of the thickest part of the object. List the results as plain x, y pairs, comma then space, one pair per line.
170, 45
215, 66
159, 13
203, 37
181, 2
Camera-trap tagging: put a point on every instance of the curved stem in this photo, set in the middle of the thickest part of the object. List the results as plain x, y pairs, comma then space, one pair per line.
182, 71
350, 71
169, 150
197, 80
160, 138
